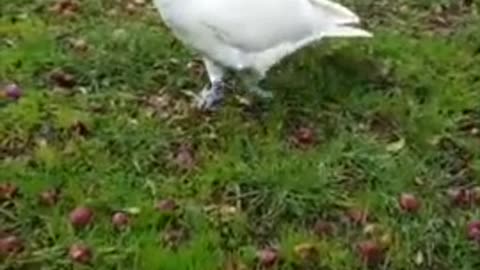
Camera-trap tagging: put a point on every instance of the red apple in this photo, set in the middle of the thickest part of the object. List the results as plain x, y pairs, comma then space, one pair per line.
81, 217
476, 194
268, 257
13, 91
80, 253
8, 191
370, 252
409, 203
10, 244
473, 230
303, 137
166, 206
357, 216
461, 196
120, 220
322, 228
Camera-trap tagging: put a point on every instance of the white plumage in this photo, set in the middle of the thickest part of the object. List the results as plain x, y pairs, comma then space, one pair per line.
252, 35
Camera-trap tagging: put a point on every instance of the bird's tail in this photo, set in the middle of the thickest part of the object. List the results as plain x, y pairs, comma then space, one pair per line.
346, 31
329, 19
335, 20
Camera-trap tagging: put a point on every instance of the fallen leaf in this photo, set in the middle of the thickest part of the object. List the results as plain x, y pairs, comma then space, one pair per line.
132, 210
372, 229
79, 44
49, 197
386, 240
306, 251
172, 237
80, 129
322, 228
396, 146
61, 78
65, 8
8, 191
419, 258
184, 158
357, 216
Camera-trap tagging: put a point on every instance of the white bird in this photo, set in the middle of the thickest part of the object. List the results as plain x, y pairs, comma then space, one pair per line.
250, 36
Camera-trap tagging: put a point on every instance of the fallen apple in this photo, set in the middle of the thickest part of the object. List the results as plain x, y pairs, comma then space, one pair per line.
370, 252
120, 220
81, 217
409, 203
166, 206
473, 230
303, 137
476, 194
13, 91
268, 257
461, 196
10, 245
80, 253
357, 216
8, 191
323, 228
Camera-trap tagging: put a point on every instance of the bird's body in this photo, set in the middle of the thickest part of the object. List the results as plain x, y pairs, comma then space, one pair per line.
252, 34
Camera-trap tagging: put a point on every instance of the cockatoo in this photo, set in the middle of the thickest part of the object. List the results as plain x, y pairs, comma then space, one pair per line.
251, 36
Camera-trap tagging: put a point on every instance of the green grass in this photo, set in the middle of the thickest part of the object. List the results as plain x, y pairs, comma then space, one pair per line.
416, 81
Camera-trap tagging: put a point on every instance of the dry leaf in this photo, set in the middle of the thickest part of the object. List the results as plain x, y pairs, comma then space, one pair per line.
61, 78
306, 251
184, 157
419, 258
396, 146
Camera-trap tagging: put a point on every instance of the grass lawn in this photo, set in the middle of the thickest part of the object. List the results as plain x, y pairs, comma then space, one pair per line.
310, 180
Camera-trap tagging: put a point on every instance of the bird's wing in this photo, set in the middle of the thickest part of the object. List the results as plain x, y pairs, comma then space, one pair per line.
254, 25
257, 25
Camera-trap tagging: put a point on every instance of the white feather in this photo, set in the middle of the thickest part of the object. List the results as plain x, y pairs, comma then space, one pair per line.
255, 33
